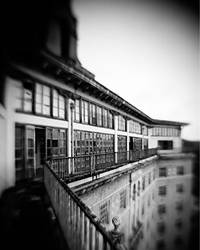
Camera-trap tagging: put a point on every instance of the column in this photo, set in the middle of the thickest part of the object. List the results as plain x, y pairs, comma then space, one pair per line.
70, 134
115, 136
127, 141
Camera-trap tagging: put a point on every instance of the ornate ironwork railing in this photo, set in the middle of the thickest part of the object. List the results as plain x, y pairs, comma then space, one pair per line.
79, 227
94, 163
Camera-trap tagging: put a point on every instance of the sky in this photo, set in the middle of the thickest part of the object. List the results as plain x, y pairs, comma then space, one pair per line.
146, 52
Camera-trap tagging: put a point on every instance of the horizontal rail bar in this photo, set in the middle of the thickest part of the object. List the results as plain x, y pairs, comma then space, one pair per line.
66, 166
72, 206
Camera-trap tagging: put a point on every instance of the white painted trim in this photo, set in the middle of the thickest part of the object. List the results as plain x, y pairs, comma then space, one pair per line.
39, 120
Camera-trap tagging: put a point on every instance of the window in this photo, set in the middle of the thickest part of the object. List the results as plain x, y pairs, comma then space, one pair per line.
105, 118
178, 223
149, 178
122, 144
110, 119
145, 144
42, 99
104, 212
24, 98
56, 142
162, 172
161, 209
161, 227
144, 130
143, 183
122, 148
138, 188
134, 191
30, 137
123, 199
84, 110
58, 105
99, 116
179, 206
134, 127
160, 245
77, 113
93, 117
162, 190
179, 188
180, 170
121, 123
19, 152
88, 143
165, 131
178, 241
165, 145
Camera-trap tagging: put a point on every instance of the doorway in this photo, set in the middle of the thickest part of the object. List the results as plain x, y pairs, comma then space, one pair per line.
39, 151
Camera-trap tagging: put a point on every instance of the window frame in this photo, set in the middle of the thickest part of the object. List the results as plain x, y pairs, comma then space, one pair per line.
42, 100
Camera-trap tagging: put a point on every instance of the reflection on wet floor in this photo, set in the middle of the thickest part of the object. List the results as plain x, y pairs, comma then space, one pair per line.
155, 205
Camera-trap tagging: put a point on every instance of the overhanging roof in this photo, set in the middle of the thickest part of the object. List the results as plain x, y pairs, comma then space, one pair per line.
84, 80
172, 123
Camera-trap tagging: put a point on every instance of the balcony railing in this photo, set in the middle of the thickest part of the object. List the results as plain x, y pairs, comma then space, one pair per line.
94, 163
79, 227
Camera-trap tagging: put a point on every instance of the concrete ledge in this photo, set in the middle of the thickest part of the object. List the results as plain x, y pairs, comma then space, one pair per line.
88, 184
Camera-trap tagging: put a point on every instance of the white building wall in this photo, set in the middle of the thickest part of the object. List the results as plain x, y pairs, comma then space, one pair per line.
12, 117
3, 181
177, 144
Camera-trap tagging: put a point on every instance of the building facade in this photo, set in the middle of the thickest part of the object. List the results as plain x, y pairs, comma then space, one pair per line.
53, 108
154, 204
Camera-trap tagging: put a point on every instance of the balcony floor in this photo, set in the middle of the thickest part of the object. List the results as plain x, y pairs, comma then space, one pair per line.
27, 221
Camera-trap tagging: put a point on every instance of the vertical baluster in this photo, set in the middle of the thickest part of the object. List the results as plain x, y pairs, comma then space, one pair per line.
77, 226
104, 243
64, 167
90, 236
83, 231
60, 167
96, 239
62, 164
91, 164
70, 215
86, 232
81, 228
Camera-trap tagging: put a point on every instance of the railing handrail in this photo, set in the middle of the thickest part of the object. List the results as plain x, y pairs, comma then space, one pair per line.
82, 206
97, 154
